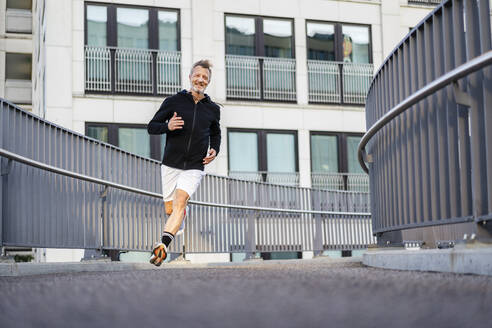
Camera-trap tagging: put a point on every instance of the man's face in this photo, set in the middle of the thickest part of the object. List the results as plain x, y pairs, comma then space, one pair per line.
199, 79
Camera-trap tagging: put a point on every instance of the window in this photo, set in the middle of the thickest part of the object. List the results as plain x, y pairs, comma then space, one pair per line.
18, 70
356, 44
129, 137
97, 19
132, 50
321, 41
258, 36
338, 42
259, 58
263, 155
18, 66
19, 4
339, 62
334, 161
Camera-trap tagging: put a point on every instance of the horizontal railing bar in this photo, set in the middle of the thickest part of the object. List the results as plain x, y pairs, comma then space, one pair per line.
459, 72
425, 224
46, 167
133, 49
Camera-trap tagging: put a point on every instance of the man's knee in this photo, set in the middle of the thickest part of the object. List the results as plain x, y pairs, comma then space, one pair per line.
180, 200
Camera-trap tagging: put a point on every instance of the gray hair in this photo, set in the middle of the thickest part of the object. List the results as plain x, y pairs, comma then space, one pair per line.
205, 63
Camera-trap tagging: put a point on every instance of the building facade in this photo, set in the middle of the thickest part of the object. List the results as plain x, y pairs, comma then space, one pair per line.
291, 75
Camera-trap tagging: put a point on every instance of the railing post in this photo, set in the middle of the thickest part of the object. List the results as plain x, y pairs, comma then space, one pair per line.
6, 165
340, 70
250, 236
262, 79
315, 203
154, 73
98, 253
112, 69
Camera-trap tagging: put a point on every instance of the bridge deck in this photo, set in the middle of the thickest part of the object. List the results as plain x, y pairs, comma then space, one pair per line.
307, 293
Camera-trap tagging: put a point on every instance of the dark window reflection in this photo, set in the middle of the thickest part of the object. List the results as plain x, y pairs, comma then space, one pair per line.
321, 41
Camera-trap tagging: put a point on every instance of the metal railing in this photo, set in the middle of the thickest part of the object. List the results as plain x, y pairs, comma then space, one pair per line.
340, 181
132, 71
61, 189
429, 142
424, 2
281, 178
260, 78
337, 82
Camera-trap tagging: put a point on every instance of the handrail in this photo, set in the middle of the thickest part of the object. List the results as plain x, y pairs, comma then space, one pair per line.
461, 71
50, 168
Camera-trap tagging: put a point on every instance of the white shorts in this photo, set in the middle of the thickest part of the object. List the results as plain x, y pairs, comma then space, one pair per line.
172, 179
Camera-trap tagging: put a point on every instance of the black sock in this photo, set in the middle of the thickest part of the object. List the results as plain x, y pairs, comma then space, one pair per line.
167, 238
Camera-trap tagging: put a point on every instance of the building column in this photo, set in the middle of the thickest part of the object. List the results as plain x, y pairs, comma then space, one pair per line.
301, 64
304, 158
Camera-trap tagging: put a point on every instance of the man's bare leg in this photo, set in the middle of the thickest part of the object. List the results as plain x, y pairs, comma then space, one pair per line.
159, 252
173, 223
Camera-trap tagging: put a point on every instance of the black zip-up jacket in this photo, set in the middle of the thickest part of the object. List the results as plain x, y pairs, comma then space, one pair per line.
186, 147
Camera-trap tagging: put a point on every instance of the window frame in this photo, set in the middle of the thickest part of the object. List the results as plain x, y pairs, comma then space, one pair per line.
260, 33
111, 24
27, 54
113, 139
262, 146
112, 39
342, 152
339, 37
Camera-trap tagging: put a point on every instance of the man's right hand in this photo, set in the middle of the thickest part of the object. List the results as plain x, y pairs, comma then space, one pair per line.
175, 122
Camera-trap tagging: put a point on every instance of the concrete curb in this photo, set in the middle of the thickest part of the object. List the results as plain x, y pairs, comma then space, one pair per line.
456, 260
29, 269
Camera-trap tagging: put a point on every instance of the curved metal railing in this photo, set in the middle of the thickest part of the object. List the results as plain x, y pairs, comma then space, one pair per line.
61, 189
429, 141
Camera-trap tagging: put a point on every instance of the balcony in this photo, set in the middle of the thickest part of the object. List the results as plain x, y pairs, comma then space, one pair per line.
132, 71
261, 78
338, 83
282, 178
424, 2
340, 181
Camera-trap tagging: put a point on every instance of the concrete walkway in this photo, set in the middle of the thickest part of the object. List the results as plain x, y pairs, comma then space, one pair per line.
293, 293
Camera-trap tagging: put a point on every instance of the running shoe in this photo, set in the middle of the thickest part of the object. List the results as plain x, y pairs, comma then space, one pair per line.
159, 254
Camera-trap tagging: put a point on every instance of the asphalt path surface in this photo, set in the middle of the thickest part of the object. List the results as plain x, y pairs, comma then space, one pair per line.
308, 293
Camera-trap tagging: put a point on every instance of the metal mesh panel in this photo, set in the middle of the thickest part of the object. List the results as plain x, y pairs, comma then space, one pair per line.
324, 81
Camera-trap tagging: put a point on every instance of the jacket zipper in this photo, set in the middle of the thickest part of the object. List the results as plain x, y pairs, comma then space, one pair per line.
191, 135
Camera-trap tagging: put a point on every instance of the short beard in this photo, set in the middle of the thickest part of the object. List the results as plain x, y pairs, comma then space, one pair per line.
201, 92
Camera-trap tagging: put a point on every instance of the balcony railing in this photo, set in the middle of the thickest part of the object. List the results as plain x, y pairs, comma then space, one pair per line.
424, 2
337, 82
261, 78
132, 71
281, 178
340, 181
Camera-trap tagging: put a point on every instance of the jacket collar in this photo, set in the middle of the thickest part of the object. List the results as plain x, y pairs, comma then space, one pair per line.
188, 95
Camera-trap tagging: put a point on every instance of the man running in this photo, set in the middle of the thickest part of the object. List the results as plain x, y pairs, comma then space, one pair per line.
191, 123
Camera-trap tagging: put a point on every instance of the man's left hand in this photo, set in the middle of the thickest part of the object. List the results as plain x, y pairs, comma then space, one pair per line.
210, 156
